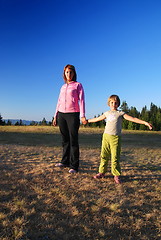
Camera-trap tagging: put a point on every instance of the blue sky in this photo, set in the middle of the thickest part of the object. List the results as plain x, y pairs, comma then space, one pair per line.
114, 45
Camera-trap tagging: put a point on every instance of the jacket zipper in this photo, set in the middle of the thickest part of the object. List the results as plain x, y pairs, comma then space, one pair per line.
66, 96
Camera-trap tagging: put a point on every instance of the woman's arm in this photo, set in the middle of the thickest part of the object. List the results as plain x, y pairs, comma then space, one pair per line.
137, 120
81, 100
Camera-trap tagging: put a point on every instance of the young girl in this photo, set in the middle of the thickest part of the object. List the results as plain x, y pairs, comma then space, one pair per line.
71, 105
111, 142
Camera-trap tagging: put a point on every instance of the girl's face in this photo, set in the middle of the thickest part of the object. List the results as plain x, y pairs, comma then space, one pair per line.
69, 74
113, 105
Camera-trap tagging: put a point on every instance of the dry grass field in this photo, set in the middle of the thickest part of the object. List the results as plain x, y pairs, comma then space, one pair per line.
41, 202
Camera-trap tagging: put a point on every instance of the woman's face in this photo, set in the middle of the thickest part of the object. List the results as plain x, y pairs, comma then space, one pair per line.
69, 74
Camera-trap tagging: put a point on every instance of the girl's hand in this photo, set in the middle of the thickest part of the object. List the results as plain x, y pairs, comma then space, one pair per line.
149, 125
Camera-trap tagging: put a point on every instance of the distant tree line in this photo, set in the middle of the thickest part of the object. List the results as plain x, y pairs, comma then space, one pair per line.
20, 122
41, 123
153, 115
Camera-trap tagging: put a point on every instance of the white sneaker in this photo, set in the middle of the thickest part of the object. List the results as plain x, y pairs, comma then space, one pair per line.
72, 171
59, 165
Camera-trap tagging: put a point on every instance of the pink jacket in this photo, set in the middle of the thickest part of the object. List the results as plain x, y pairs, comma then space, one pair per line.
70, 97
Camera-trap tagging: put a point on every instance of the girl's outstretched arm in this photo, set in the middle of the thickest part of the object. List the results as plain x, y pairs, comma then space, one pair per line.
97, 119
137, 120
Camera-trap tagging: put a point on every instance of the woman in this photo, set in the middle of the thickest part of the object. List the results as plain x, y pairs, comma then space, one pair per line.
70, 107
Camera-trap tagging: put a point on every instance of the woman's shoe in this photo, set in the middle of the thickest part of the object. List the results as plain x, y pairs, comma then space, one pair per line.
72, 171
117, 179
99, 175
59, 165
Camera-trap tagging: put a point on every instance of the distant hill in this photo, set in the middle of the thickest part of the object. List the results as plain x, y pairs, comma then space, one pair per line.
13, 121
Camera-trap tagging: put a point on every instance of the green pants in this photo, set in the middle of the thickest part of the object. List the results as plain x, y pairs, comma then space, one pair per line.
111, 148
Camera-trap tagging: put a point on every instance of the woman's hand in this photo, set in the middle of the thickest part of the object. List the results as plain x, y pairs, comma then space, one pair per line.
83, 120
54, 122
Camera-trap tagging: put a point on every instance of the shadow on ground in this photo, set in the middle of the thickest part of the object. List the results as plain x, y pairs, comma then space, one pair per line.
92, 140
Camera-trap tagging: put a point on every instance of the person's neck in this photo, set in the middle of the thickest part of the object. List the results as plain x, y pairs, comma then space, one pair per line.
68, 82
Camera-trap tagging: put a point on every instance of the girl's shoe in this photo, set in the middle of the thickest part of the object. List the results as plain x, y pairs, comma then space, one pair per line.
72, 171
117, 179
99, 175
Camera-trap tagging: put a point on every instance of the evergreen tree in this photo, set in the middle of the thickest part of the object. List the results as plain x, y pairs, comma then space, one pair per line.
103, 123
21, 123
1, 121
131, 125
144, 116
33, 123
49, 123
94, 124
158, 120
153, 113
134, 113
153, 109
9, 123
124, 107
44, 122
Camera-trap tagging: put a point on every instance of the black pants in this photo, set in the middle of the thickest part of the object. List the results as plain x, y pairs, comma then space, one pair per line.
69, 125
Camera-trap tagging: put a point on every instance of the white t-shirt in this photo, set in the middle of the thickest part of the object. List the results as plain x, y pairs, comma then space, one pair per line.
113, 122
